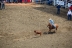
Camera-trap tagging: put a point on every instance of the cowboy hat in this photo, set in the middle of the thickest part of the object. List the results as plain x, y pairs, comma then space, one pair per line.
50, 19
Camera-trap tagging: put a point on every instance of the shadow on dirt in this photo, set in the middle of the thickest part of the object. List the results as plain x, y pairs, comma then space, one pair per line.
45, 33
48, 33
52, 10
51, 32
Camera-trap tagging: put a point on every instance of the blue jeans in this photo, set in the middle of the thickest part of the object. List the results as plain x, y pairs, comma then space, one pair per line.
15, 1
8, 1
0, 5
69, 17
58, 11
3, 6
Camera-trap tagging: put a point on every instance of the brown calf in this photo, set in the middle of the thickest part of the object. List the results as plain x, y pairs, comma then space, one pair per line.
38, 32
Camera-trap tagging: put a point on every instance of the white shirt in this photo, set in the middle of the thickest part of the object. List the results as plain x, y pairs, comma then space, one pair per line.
51, 22
69, 13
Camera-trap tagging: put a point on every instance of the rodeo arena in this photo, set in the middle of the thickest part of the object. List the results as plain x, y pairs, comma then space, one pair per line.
35, 23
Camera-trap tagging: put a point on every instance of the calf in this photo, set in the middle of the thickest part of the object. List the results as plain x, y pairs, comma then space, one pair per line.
38, 32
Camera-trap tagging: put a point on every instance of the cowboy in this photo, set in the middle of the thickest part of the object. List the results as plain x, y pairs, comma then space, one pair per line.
51, 22
69, 14
0, 4
58, 8
3, 4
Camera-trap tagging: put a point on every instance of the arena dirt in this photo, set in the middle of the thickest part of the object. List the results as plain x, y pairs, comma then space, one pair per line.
17, 25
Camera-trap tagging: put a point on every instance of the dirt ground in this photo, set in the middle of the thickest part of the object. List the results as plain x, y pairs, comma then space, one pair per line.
17, 25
